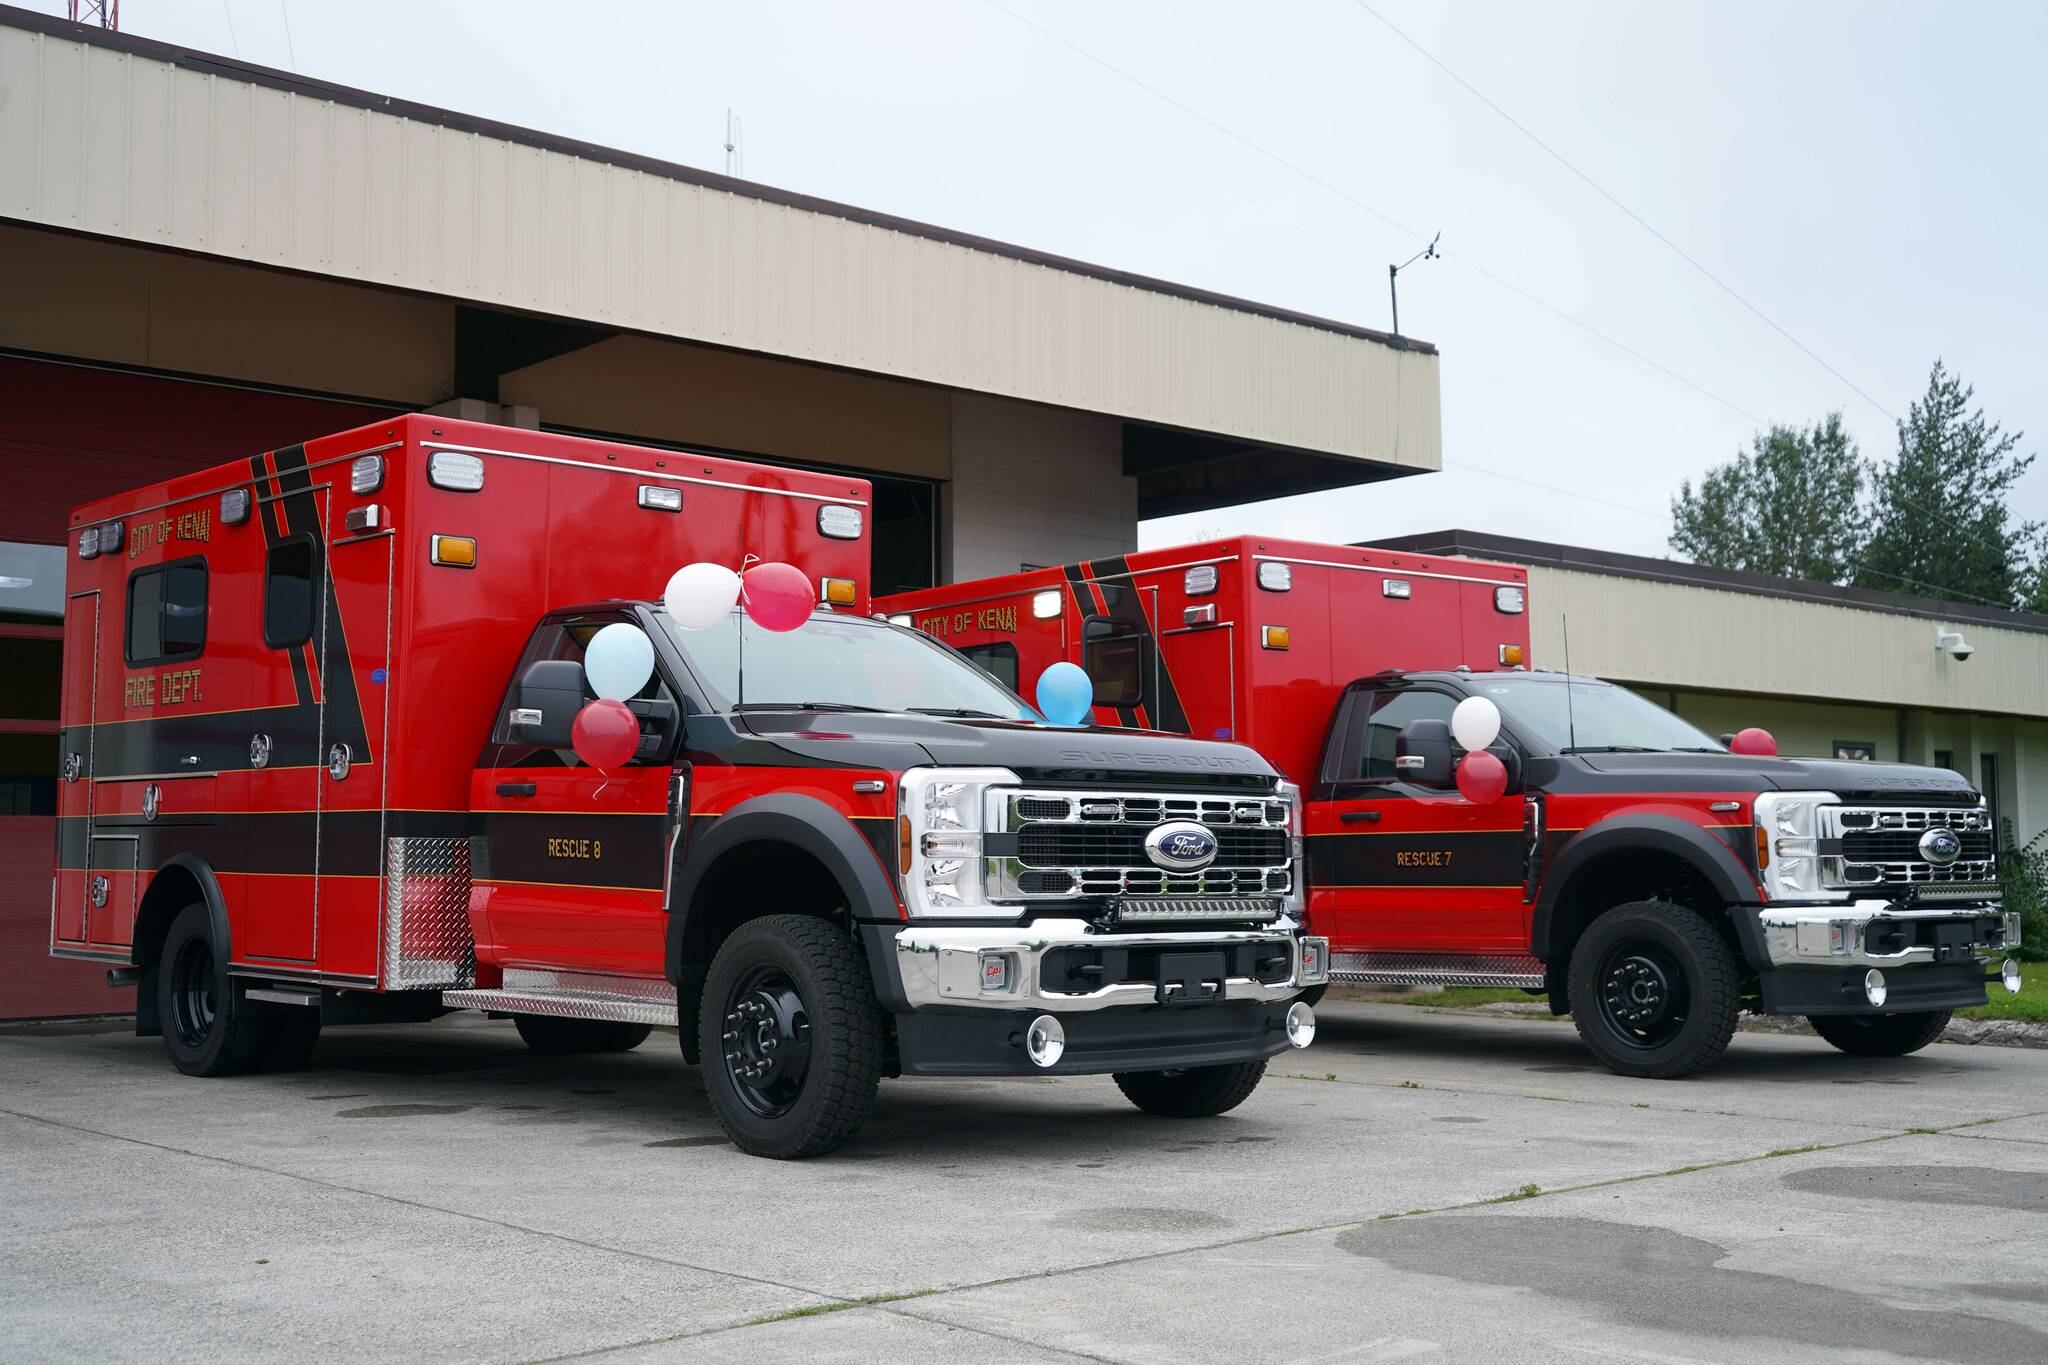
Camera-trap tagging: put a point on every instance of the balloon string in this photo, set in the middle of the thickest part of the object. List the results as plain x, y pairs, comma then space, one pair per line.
747, 561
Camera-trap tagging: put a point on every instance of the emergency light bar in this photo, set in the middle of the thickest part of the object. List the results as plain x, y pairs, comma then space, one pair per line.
1045, 605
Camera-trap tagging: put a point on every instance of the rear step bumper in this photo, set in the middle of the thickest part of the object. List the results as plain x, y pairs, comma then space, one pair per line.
574, 995
1436, 969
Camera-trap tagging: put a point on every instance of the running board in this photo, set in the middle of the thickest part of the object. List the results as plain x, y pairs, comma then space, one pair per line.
574, 995
1436, 969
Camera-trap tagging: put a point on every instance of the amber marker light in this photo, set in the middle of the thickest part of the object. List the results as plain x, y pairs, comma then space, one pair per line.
903, 851
1510, 655
837, 592
1273, 637
1763, 848
455, 552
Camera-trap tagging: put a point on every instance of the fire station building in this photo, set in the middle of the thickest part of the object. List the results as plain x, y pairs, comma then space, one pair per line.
201, 259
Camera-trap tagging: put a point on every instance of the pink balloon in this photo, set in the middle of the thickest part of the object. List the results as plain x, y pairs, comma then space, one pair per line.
1482, 778
605, 735
778, 596
1755, 741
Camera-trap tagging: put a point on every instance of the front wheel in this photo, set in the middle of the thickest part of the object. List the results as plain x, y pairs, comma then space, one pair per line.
1881, 1035
791, 1037
1196, 1092
1654, 990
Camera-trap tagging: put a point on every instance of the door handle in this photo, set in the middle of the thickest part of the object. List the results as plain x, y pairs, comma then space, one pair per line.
1360, 817
515, 789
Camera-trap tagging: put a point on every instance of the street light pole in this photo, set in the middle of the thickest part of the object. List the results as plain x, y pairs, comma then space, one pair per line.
1427, 253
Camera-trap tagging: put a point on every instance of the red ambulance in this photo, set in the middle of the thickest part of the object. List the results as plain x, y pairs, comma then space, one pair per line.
318, 766
1649, 881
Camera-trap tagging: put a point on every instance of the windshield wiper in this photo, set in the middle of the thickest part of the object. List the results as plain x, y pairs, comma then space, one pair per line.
1614, 749
803, 706
956, 712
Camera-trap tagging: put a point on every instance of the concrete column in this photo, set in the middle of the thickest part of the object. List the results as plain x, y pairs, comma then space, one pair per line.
1033, 485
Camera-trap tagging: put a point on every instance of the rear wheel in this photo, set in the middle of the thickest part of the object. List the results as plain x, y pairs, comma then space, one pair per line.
792, 1038
1197, 1092
1881, 1035
1654, 990
552, 1036
209, 1029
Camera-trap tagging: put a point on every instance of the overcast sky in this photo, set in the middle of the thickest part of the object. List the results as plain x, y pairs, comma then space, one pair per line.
1873, 177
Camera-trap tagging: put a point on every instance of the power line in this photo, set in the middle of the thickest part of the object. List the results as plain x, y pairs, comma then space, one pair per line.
291, 49
233, 41
1639, 220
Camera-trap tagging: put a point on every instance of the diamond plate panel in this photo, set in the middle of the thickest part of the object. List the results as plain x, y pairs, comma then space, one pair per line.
1436, 969
427, 938
575, 995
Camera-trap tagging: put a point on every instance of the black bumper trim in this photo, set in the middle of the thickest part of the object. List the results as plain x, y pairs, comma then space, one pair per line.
1146, 1038
1839, 990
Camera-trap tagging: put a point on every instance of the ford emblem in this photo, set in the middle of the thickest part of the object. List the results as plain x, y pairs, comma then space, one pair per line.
1941, 846
1181, 846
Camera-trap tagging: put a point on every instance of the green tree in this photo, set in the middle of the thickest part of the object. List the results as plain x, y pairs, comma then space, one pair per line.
1939, 525
1791, 505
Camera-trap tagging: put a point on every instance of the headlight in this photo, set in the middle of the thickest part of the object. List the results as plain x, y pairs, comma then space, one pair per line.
940, 816
1788, 845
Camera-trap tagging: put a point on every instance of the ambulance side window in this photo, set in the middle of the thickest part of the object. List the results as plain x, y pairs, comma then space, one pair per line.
1113, 653
999, 659
1390, 711
289, 578
166, 612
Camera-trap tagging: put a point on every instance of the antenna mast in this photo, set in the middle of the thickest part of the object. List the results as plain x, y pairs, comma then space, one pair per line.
105, 13
1571, 720
732, 144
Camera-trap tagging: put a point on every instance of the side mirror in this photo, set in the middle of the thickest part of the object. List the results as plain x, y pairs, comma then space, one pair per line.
661, 724
1422, 753
1510, 758
551, 692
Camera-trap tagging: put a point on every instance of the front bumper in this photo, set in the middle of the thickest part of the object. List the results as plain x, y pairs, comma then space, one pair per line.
1044, 966
1881, 933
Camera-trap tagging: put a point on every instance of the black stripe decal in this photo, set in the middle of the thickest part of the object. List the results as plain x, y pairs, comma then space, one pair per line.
264, 843
1466, 858
1167, 711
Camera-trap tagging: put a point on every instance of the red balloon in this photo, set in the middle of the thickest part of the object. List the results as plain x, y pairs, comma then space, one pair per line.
606, 734
1755, 741
778, 596
1482, 778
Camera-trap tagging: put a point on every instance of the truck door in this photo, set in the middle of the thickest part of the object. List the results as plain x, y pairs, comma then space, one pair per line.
352, 652
576, 861
1398, 867
75, 767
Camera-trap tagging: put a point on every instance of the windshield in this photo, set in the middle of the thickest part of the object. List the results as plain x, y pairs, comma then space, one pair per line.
1597, 717
839, 663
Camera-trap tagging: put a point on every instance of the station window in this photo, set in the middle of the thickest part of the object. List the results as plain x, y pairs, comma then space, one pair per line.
1113, 653
167, 612
999, 660
290, 584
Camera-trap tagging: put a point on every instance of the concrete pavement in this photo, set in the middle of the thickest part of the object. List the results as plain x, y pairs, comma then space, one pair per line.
1419, 1184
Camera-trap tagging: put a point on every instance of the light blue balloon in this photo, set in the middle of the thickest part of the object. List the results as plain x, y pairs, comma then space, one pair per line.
1065, 694
618, 661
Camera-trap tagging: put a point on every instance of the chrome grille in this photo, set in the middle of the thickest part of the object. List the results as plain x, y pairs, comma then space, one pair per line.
1880, 846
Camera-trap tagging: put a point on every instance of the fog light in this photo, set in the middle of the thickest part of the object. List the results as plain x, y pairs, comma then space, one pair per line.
1301, 1024
2009, 972
1045, 1041
1874, 989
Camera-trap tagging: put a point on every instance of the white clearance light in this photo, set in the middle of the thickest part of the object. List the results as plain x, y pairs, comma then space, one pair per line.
89, 543
454, 471
1509, 600
839, 522
366, 475
656, 497
1046, 605
234, 507
1276, 577
1396, 587
1200, 581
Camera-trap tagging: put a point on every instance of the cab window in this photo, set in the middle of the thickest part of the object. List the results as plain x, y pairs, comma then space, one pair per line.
1390, 711
999, 660
289, 578
166, 613
567, 638
1113, 653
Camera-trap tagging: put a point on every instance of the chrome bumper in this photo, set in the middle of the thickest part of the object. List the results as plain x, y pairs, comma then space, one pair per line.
941, 965
1835, 935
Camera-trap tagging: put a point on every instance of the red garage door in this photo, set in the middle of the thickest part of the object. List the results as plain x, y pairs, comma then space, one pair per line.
73, 434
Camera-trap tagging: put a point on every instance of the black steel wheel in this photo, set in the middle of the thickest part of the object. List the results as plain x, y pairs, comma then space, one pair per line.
791, 1036
208, 1028
1654, 990
1882, 1035
1195, 1092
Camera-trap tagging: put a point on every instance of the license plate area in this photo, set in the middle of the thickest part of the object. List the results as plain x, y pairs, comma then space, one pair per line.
1192, 978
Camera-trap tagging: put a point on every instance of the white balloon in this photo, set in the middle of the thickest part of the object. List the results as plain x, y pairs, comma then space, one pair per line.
618, 661
1475, 723
701, 595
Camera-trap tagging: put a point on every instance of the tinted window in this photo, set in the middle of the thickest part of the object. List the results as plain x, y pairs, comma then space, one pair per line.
1391, 711
289, 579
167, 612
1113, 653
998, 659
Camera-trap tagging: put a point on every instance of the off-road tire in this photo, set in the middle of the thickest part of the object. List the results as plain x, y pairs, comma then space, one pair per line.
553, 1036
1198, 1092
844, 1035
294, 1033
1670, 943
209, 1028
1881, 1035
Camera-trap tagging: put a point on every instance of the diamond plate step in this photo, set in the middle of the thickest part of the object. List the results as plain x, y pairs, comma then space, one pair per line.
1436, 969
575, 995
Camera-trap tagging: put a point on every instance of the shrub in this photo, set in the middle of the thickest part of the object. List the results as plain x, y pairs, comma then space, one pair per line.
2023, 874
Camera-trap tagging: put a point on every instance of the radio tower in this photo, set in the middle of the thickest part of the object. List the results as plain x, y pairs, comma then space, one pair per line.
105, 13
